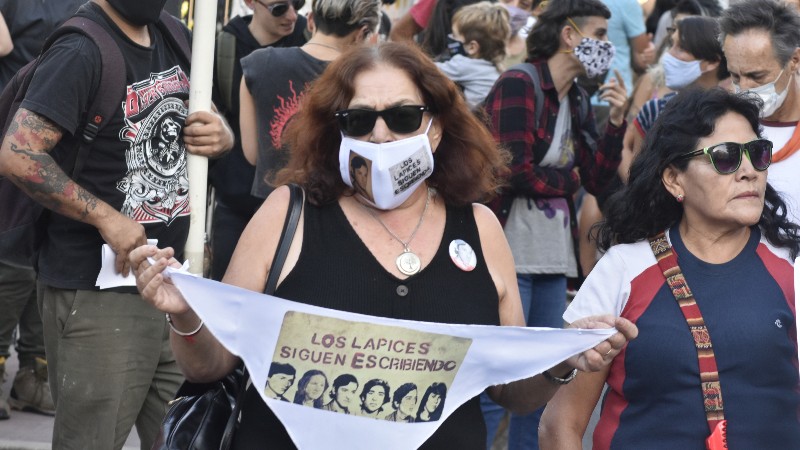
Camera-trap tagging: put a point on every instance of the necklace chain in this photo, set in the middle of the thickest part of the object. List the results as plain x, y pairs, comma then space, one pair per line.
325, 45
413, 233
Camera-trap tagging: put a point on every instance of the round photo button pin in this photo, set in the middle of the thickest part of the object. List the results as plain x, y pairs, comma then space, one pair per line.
463, 255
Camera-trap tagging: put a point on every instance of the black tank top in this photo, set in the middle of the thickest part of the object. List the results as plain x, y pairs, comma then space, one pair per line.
336, 270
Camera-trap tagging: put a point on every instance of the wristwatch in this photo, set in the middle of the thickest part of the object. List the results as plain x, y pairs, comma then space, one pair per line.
557, 380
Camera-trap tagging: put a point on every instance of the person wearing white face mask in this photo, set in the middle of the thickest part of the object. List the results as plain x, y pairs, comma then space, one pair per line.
761, 40
695, 59
386, 253
546, 121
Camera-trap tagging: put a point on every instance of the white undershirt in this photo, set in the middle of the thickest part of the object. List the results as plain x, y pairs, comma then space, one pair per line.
784, 176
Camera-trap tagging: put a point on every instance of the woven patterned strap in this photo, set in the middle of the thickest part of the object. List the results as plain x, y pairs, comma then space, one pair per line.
709, 375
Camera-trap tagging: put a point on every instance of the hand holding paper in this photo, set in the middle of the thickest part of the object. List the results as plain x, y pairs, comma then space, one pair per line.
148, 262
109, 276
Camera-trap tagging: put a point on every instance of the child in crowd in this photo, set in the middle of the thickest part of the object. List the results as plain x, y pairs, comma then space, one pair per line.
478, 44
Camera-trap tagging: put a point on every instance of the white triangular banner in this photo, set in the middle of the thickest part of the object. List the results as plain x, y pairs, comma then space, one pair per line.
466, 359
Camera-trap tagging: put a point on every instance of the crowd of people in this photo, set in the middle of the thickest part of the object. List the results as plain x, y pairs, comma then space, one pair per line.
639, 156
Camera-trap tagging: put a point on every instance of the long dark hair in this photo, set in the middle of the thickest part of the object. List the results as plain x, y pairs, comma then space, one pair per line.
661, 6
644, 207
434, 36
439, 389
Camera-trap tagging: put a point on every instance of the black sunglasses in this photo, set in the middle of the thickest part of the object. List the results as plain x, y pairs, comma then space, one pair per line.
727, 156
400, 119
278, 9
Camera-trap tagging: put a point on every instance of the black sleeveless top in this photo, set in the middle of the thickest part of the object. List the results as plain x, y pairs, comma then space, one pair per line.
336, 270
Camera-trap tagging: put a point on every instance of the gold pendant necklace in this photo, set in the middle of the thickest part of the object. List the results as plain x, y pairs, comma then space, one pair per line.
408, 263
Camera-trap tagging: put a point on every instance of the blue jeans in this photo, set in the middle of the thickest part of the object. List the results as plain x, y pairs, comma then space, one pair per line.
492, 415
544, 299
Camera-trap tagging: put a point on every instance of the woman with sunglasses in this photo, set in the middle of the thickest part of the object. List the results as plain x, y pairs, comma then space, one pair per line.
701, 179
384, 251
275, 79
695, 59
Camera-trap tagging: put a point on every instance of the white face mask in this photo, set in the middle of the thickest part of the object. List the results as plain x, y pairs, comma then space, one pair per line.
385, 175
769, 96
678, 73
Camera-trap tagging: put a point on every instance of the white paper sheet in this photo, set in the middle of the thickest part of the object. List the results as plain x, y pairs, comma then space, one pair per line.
264, 330
108, 276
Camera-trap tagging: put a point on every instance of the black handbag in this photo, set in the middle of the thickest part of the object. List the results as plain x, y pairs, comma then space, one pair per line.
204, 416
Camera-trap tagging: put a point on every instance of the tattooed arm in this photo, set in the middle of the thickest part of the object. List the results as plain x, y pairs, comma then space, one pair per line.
25, 160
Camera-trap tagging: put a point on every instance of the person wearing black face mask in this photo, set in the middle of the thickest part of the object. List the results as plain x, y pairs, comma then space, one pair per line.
140, 12
112, 361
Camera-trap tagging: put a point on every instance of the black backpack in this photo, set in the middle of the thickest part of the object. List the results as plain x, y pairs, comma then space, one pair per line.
22, 219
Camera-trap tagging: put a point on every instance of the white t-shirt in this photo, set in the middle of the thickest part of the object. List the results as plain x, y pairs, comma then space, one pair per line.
784, 176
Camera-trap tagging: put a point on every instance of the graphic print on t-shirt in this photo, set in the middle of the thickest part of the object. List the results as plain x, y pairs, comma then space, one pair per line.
333, 360
284, 110
156, 185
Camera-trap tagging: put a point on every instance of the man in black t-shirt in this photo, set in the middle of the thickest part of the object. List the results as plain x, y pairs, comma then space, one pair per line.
108, 349
232, 176
29, 23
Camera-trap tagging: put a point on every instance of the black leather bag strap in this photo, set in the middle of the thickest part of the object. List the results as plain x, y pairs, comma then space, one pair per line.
287, 236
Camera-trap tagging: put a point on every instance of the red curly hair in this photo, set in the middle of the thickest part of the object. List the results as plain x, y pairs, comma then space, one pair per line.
468, 162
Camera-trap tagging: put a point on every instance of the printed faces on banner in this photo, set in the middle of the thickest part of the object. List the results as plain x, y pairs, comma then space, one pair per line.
376, 371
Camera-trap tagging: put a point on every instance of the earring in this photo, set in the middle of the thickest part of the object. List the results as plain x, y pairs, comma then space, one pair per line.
679, 198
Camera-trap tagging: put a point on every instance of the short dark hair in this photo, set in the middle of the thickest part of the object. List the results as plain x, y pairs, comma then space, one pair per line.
401, 392
698, 36
778, 19
276, 368
371, 384
342, 17
644, 207
545, 37
342, 380
708, 8
358, 162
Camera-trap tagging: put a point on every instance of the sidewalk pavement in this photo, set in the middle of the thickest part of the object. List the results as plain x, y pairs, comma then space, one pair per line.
30, 431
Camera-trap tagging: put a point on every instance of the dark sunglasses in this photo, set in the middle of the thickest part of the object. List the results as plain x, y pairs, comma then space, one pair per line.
400, 119
727, 156
278, 9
